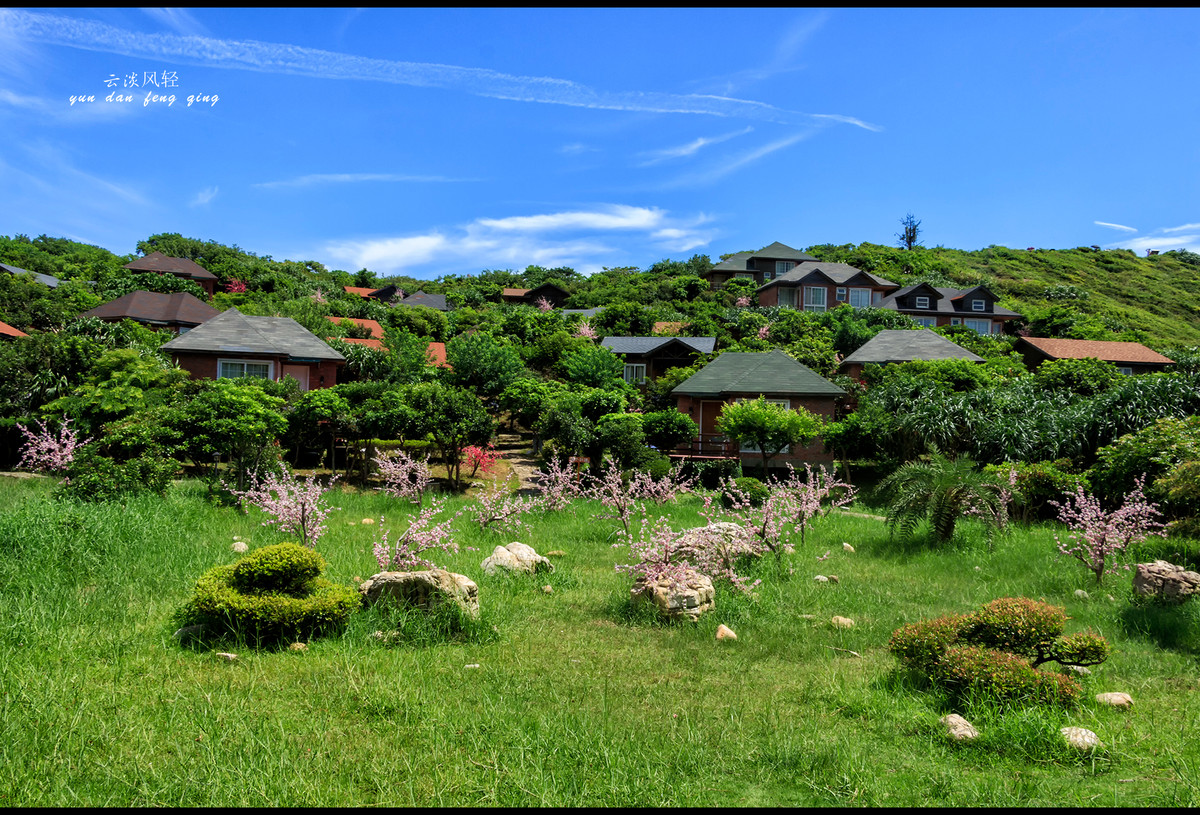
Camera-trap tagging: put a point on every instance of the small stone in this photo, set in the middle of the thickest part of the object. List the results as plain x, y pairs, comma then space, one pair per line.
808, 616
978, 569
548, 589
833, 578
357, 579
724, 632
1080, 738
842, 622
239, 547
368, 521
1110, 598
351, 523
472, 665
821, 578
297, 646
556, 553
1118, 700
848, 548
1078, 670
226, 657
959, 728
1080, 594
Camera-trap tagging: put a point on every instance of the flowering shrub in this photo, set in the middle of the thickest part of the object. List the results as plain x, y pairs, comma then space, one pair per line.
558, 485
235, 286
1015, 624
403, 476
500, 507
480, 458
297, 506
1097, 536
764, 330
422, 535
585, 330
48, 451
543, 305
742, 302
661, 553
645, 487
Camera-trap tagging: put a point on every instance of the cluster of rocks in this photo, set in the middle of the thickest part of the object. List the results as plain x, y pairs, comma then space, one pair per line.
1165, 581
1078, 738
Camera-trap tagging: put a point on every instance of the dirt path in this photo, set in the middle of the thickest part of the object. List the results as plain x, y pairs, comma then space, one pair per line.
518, 452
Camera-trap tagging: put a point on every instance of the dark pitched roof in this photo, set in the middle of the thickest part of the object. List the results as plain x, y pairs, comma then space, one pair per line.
759, 372
582, 312
1133, 352
154, 307
776, 251
650, 345
942, 302
234, 332
420, 298
44, 279
158, 262
838, 273
898, 345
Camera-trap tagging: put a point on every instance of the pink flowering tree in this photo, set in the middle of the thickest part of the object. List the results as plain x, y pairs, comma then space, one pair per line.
48, 451
423, 535
585, 330
660, 552
235, 286
403, 476
661, 490
742, 302
543, 305
297, 506
501, 508
558, 486
764, 331
319, 297
610, 490
480, 458
1097, 536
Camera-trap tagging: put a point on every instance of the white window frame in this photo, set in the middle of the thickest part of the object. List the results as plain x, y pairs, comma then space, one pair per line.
768, 275
744, 275
876, 297
787, 403
979, 326
920, 302
784, 266
978, 305
810, 301
956, 321
633, 375
840, 294
221, 363
787, 296
865, 297
1125, 370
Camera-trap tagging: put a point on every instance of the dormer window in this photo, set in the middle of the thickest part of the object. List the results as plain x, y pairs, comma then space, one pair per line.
841, 294
920, 302
978, 305
783, 266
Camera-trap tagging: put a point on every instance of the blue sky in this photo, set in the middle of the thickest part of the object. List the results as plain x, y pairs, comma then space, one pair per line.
426, 142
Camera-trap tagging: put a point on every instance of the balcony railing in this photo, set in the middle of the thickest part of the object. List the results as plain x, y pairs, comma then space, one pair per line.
707, 445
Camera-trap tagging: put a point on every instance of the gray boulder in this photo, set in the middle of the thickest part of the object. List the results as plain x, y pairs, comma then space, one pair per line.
422, 589
516, 557
1165, 581
686, 599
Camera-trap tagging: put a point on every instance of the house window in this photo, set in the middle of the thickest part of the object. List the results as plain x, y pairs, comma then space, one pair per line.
785, 402
243, 368
979, 326
956, 321
744, 275
635, 374
860, 298
787, 296
768, 275
920, 302
814, 298
876, 298
978, 305
926, 322
782, 266
1126, 371
840, 295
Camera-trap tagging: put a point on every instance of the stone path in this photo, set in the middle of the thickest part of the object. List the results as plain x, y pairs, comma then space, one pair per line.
517, 449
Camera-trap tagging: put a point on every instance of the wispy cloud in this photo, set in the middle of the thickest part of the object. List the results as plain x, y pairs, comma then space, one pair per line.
575, 238
1184, 228
1164, 238
356, 178
289, 59
721, 170
204, 196
1117, 227
577, 148
179, 19
782, 59
690, 149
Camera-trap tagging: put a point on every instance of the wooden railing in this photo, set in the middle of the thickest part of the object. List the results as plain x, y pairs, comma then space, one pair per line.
707, 445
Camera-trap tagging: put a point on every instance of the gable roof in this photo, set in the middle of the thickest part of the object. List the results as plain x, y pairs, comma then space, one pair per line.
776, 251
158, 262
756, 372
359, 290
652, 345
1133, 352
44, 279
420, 298
898, 345
371, 325
7, 330
839, 274
436, 351
514, 292
155, 307
942, 301
236, 333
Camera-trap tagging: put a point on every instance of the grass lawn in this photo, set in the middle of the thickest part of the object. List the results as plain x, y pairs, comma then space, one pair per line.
573, 699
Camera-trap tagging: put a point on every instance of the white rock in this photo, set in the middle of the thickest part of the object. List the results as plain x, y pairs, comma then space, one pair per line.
368, 521
959, 728
848, 548
842, 622
297, 646
690, 599
724, 632
821, 578
422, 589
1078, 670
226, 656
1080, 738
1080, 594
548, 589
239, 547
516, 557
1118, 700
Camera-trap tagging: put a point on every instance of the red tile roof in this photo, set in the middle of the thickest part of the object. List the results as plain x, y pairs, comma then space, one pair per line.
437, 354
356, 341
7, 330
1096, 349
371, 325
514, 292
359, 290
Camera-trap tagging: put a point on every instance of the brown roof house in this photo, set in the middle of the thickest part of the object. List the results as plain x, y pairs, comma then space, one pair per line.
7, 332
819, 286
930, 307
650, 357
234, 345
734, 376
554, 294
177, 312
179, 267
761, 267
1129, 357
898, 345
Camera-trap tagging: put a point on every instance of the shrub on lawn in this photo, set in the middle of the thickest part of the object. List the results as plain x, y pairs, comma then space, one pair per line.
752, 490
971, 670
273, 595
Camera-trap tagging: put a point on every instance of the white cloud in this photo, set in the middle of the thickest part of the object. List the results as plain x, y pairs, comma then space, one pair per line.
355, 178
204, 196
179, 19
615, 217
1184, 228
749, 157
577, 148
1189, 242
689, 149
1117, 227
291, 59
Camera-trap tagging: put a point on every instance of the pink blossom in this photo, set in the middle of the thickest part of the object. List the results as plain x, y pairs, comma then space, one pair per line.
403, 476
235, 286
742, 302
298, 507
764, 331
558, 486
543, 304
47, 451
1097, 536
502, 508
481, 458
422, 535
585, 330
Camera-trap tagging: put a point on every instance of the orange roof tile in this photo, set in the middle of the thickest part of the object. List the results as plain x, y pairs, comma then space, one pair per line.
8, 331
437, 354
356, 341
1098, 349
359, 290
371, 325
514, 292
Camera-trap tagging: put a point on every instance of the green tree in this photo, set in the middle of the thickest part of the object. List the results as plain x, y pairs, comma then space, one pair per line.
910, 232
454, 417
767, 426
667, 429
236, 419
481, 363
943, 490
594, 367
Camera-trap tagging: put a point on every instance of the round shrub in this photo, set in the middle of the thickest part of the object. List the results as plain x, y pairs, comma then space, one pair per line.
921, 645
999, 676
1015, 624
753, 489
286, 568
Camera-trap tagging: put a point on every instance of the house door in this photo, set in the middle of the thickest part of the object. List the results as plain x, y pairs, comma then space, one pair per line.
710, 409
299, 373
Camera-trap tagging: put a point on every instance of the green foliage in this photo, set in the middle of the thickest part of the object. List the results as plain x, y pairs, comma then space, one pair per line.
594, 367
563, 423
1085, 377
711, 474
667, 429
942, 490
754, 490
482, 364
981, 673
622, 436
1037, 484
129, 457
1015, 624
454, 417
594, 403
922, 645
767, 426
235, 419
1153, 451
286, 568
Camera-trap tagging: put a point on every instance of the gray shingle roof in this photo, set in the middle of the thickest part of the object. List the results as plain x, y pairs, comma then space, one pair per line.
776, 251
771, 372
420, 298
944, 303
44, 279
649, 345
154, 307
839, 273
234, 332
898, 345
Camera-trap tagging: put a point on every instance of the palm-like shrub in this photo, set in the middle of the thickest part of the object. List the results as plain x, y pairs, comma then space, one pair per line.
942, 490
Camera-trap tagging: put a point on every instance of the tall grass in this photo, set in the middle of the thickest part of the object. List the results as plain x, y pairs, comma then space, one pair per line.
567, 698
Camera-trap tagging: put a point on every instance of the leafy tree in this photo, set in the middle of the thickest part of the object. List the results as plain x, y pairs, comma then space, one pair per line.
454, 417
667, 429
1085, 377
943, 490
594, 367
481, 363
623, 319
236, 419
121, 382
621, 434
767, 426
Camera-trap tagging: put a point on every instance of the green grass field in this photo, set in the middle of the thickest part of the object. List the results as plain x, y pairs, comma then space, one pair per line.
576, 700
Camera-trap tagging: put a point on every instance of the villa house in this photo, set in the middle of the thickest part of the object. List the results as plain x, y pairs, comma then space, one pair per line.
899, 345
420, 298
734, 376
1129, 357
234, 345
375, 340
177, 312
553, 294
383, 295
819, 286
179, 267
7, 332
931, 307
761, 267
650, 357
